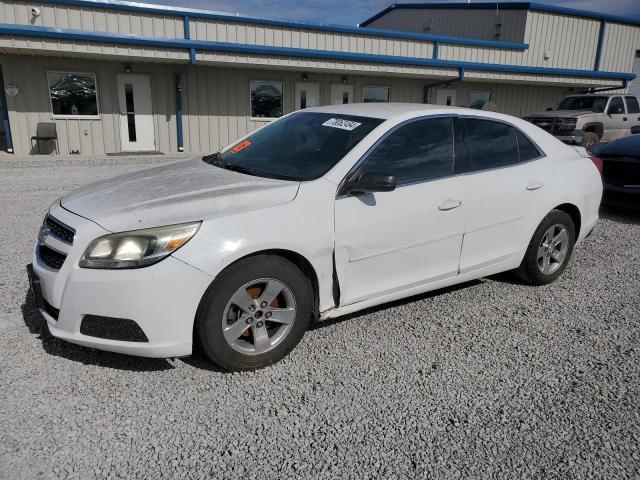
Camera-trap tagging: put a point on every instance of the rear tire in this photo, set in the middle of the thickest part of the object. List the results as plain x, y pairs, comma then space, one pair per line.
549, 250
589, 141
254, 313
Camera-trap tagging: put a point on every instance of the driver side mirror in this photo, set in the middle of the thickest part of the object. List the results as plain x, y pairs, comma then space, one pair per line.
367, 183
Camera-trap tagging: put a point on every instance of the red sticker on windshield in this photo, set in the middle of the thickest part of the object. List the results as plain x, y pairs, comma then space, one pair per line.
241, 146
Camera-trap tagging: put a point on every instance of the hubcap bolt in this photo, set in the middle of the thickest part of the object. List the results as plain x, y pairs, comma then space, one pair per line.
251, 308
249, 320
259, 324
263, 304
268, 315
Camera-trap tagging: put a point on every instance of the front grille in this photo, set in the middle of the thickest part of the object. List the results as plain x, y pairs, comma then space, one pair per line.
50, 257
110, 328
59, 230
620, 172
552, 125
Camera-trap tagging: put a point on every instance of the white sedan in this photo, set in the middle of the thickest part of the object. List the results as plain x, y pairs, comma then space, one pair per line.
322, 213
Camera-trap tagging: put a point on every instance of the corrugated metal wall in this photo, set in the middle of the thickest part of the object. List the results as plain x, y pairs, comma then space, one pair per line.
92, 20
620, 45
90, 136
216, 103
478, 23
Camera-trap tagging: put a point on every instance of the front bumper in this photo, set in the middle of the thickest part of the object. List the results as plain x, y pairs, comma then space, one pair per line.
626, 197
161, 299
574, 138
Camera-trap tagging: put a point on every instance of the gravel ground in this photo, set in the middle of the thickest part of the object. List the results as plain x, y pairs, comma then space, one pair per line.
489, 379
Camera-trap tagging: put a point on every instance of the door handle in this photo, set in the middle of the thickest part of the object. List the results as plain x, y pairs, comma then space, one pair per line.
624, 119
534, 185
449, 204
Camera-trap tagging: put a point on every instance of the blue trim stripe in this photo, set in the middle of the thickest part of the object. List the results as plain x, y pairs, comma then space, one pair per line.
81, 35
603, 28
179, 113
210, 15
540, 7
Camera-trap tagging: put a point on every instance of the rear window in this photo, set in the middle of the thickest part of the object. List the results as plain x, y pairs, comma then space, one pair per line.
632, 105
302, 146
526, 148
491, 144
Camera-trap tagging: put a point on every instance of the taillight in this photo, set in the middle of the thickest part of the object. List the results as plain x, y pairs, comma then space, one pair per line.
597, 162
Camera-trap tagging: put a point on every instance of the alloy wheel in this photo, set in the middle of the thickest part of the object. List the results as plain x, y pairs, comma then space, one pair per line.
259, 316
553, 249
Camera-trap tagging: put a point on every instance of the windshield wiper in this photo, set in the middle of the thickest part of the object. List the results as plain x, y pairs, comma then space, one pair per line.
215, 159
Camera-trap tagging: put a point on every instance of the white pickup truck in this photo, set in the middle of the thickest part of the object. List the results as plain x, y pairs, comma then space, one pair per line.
588, 119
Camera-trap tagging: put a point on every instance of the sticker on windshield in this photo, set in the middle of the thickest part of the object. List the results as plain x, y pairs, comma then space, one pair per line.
341, 123
241, 146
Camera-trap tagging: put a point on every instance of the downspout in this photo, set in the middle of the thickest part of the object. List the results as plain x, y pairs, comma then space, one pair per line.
603, 27
5, 121
179, 113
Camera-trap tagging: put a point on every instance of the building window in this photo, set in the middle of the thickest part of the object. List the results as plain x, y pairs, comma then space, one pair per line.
266, 99
73, 94
375, 94
478, 100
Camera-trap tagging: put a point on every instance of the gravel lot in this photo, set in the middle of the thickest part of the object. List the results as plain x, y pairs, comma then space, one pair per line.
489, 379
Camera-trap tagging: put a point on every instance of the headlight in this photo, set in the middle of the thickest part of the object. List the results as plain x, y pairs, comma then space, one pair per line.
138, 248
569, 123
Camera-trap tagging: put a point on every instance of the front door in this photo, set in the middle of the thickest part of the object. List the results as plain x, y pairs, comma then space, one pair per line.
617, 123
446, 96
136, 115
341, 93
307, 95
391, 241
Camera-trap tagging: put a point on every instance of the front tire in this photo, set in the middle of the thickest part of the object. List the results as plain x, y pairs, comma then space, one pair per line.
254, 313
589, 141
550, 249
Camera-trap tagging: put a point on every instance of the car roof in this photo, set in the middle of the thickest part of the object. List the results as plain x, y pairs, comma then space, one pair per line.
386, 110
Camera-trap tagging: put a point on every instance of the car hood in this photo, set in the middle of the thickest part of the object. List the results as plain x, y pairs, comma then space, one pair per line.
563, 113
175, 193
625, 147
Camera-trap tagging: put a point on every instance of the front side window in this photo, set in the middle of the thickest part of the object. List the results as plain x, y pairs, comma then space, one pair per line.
587, 103
302, 146
632, 105
266, 99
421, 150
73, 94
491, 144
375, 94
616, 107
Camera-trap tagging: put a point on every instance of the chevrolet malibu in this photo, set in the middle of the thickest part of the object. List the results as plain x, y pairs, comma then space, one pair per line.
324, 212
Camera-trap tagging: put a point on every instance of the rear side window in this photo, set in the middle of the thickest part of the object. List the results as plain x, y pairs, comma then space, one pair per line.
616, 106
632, 105
490, 144
421, 150
526, 148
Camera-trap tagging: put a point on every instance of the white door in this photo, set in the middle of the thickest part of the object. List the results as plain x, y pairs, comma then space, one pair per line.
307, 95
446, 96
341, 93
504, 194
391, 241
136, 115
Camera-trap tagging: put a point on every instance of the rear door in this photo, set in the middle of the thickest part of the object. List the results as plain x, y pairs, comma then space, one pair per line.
616, 120
391, 241
508, 175
633, 111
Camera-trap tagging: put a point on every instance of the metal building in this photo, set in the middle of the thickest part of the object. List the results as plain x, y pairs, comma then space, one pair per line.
126, 77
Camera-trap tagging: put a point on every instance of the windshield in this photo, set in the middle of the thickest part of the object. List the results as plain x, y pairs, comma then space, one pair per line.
593, 104
302, 146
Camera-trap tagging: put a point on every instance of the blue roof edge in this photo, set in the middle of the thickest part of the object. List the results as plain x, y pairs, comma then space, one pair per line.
213, 15
541, 7
187, 44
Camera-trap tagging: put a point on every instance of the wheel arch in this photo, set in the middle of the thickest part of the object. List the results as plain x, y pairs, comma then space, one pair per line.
595, 127
574, 212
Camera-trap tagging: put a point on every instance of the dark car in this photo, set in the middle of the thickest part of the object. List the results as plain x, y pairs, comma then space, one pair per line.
621, 171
